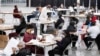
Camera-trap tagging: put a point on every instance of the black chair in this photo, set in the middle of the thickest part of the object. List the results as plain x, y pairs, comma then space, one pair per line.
65, 52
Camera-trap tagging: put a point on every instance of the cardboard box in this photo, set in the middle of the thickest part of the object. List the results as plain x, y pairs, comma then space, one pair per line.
3, 41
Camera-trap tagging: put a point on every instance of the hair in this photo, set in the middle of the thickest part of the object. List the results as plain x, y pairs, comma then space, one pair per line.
72, 23
21, 44
65, 32
49, 14
15, 6
93, 23
60, 14
48, 6
37, 8
29, 26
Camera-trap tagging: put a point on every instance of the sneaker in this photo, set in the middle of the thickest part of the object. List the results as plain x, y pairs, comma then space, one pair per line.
88, 49
66, 52
74, 48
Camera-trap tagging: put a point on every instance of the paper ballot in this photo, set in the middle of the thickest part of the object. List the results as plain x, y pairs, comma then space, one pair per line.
8, 49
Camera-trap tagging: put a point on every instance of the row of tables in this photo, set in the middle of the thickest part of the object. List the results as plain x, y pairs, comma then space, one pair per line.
44, 44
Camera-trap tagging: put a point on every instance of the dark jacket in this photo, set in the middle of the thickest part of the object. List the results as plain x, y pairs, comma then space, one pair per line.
21, 26
75, 20
71, 29
22, 52
63, 43
59, 24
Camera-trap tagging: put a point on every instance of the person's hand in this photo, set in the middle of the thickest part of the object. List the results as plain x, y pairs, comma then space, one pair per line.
58, 39
14, 50
38, 38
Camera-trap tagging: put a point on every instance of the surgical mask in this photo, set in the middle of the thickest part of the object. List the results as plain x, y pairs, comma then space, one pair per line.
32, 31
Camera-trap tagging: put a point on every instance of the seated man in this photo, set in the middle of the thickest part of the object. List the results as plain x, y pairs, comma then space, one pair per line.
18, 28
93, 32
34, 14
61, 45
72, 29
60, 22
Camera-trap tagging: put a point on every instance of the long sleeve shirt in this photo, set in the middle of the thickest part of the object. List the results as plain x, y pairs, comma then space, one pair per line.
93, 31
28, 37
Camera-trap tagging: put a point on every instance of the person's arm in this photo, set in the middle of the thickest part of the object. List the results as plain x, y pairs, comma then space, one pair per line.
89, 30
14, 51
13, 55
26, 38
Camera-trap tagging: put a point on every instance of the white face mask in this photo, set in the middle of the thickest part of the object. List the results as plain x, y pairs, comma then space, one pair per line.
32, 31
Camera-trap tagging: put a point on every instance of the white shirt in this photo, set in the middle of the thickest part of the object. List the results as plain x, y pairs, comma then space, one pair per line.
43, 15
71, 9
94, 31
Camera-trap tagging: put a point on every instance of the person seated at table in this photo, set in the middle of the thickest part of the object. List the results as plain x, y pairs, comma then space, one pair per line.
43, 16
61, 44
18, 28
88, 20
16, 12
20, 50
74, 19
92, 33
60, 22
34, 14
62, 7
72, 12
29, 35
72, 29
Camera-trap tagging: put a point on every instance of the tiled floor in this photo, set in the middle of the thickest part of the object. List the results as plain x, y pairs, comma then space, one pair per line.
81, 51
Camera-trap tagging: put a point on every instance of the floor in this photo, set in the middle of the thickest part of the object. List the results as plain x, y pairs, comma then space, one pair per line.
81, 49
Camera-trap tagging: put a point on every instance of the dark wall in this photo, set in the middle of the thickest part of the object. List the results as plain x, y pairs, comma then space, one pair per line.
99, 4
35, 3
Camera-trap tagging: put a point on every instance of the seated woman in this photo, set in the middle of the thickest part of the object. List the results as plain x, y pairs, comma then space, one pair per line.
29, 35
61, 45
17, 14
18, 28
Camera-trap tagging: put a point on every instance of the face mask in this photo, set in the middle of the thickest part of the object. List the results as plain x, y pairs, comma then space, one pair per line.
32, 31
